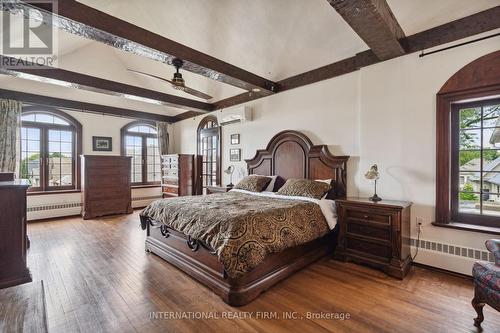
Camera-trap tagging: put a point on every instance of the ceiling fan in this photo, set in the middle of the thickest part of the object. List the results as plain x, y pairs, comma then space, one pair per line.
177, 81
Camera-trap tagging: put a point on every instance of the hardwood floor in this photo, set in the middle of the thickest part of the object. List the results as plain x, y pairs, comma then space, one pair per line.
98, 277
23, 309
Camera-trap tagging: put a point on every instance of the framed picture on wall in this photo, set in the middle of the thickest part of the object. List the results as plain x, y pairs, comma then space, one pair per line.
235, 139
235, 154
102, 143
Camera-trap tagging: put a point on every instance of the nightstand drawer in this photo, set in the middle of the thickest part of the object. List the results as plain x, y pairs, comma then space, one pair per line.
382, 252
357, 214
369, 229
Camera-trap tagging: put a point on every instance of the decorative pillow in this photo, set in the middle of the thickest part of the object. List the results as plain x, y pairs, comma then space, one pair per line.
275, 183
253, 183
278, 183
304, 188
331, 194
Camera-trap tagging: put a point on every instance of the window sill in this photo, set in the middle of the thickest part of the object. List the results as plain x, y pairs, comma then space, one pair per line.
469, 227
145, 186
52, 192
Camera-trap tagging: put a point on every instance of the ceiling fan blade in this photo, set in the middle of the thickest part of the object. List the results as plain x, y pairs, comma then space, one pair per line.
188, 90
150, 75
196, 93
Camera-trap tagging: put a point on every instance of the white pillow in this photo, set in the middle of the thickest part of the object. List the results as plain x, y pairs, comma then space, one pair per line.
270, 186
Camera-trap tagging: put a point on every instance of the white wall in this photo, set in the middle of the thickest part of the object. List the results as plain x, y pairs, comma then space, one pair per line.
92, 125
382, 114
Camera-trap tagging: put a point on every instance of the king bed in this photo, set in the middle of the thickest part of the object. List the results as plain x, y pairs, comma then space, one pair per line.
241, 243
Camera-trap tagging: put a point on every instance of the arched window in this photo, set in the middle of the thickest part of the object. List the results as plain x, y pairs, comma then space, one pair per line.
51, 142
140, 141
209, 148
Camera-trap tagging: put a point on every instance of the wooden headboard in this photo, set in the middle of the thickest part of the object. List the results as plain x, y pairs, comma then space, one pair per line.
291, 154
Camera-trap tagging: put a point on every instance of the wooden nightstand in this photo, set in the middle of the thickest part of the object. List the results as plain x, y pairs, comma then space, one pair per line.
377, 234
217, 189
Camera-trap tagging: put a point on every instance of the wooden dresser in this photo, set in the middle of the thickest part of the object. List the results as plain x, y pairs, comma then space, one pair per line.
106, 188
179, 175
13, 240
377, 234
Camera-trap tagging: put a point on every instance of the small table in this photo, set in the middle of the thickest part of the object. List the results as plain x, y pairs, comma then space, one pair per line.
218, 189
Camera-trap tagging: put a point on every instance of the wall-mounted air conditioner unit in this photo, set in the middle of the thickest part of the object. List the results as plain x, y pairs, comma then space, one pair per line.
234, 116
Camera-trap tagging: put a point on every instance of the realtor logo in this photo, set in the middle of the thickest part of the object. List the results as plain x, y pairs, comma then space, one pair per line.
28, 36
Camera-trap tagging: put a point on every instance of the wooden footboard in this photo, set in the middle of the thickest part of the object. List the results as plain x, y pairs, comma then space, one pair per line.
200, 261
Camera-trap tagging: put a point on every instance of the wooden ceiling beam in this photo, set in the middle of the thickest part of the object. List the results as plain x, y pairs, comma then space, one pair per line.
13, 67
375, 23
83, 106
449, 32
96, 25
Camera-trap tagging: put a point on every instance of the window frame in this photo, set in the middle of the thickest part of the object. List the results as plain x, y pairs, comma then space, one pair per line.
479, 79
76, 129
200, 134
456, 215
144, 137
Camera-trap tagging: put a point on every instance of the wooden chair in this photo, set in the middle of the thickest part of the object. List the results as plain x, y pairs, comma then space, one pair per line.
487, 282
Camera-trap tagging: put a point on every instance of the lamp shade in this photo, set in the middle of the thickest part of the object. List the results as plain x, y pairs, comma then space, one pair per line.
373, 173
229, 170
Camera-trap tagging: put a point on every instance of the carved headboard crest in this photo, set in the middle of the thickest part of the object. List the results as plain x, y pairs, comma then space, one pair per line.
291, 154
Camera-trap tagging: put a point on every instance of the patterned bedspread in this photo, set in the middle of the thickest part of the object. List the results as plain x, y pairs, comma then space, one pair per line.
242, 228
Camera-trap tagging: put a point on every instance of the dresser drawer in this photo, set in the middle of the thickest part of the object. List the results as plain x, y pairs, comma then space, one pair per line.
372, 249
170, 166
171, 181
171, 159
372, 230
171, 173
169, 189
357, 214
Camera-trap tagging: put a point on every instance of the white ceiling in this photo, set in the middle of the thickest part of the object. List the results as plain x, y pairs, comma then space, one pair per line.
275, 39
419, 15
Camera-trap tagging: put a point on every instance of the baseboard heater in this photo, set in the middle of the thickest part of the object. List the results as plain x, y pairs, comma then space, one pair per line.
452, 249
78, 204
53, 207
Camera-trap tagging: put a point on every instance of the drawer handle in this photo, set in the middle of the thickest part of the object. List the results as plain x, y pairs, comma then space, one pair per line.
366, 216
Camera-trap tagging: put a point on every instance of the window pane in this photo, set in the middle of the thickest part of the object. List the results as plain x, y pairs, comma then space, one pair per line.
491, 116
491, 138
491, 204
29, 117
30, 155
44, 118
470, 139
147, 129
469, 160
32, 145
470, 118
469, 203
32, 133
491, 182
134, 129
60, 164
153, 159
469, 182
491, 160
133, 148
60, 121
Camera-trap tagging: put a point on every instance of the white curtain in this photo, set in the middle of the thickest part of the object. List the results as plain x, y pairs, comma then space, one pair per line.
10, 112
163, 137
